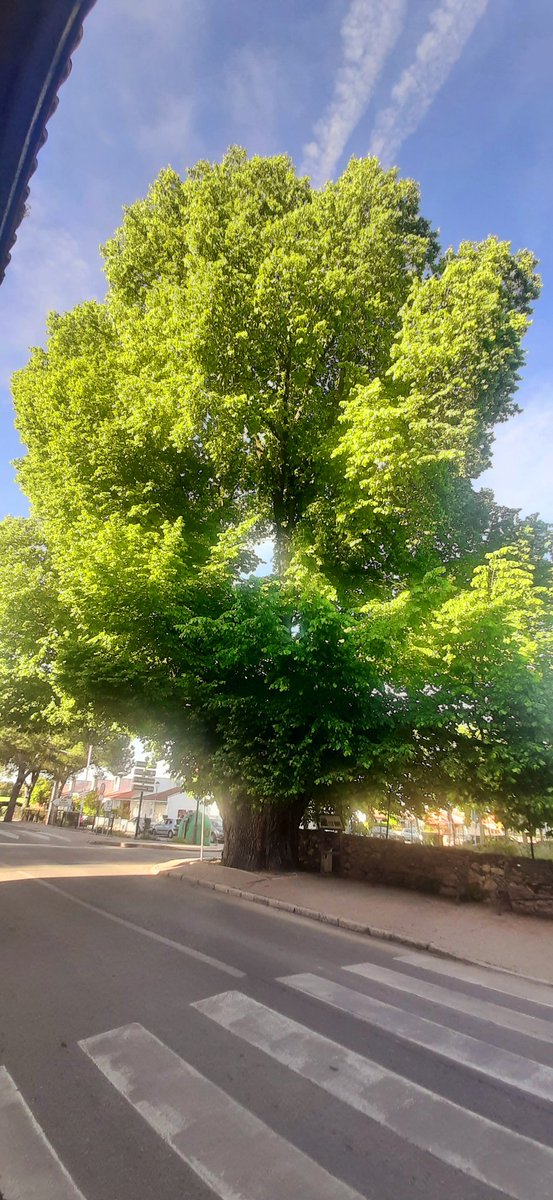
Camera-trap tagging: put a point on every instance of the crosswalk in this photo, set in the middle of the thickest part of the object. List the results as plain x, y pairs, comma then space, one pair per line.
239, 1156
472, 1006
244, 1159
29, 1165
502, 1065
504, 982
24, 835
490, 1153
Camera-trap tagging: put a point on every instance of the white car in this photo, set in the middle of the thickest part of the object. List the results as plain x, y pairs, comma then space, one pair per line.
167, 828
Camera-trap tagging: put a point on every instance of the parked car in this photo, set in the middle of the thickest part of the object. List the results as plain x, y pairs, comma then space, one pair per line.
412, 835
383, 831
396, 833
129, 826
217, 831
167, 828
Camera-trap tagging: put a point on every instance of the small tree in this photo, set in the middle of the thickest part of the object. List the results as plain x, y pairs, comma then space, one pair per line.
41, 728
41, 792
21, 753
527, 814
484, 664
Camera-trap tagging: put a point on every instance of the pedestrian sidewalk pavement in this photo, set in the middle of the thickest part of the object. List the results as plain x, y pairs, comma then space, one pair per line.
471, 932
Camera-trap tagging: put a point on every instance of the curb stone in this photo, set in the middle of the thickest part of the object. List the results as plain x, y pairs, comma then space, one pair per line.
313, 914
115, 843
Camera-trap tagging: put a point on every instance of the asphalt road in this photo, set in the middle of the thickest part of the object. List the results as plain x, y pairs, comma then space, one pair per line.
159, 1041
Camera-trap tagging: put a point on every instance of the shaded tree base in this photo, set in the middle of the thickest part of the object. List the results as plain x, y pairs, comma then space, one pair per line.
14, 794
261, 839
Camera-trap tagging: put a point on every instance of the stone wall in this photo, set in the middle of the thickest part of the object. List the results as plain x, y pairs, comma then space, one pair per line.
518, 884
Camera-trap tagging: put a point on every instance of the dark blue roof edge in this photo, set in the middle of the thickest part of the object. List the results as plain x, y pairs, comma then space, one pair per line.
46, 104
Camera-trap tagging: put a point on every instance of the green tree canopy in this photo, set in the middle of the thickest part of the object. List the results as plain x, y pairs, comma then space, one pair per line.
42, 728
271, 361
31, 714
484, 662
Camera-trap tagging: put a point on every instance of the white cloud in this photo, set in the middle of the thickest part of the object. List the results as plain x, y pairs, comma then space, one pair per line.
369, 31
161, 15
520, 474
169, 135
254, 89
50, 271
451, 24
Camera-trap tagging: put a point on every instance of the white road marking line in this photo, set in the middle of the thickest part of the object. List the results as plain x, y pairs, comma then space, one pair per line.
486, 977
36, 837
29, 1166
231, 1150
34, 845
149, 933
517, 1166
460, 1048
42, 836
472, 1006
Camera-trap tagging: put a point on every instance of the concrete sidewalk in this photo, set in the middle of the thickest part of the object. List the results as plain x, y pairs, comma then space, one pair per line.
471, 932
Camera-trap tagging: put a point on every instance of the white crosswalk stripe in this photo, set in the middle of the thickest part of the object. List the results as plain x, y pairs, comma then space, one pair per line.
30, 837
245, 1159
29, 1166
501, 1065
42, 836
486, 977
473, 1006
517, 1166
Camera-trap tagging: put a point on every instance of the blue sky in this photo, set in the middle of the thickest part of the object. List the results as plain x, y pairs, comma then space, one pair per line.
457, 93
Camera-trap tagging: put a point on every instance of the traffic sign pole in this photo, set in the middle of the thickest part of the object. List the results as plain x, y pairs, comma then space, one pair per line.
139, 812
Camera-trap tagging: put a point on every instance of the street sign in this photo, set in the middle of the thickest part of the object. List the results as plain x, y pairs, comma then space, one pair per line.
144, 777
331, 823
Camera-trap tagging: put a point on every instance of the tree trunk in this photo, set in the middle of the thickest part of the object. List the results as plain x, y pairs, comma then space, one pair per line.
29, 787
263, 839
14, 794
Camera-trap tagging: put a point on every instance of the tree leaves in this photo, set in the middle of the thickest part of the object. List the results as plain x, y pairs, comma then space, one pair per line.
276, 361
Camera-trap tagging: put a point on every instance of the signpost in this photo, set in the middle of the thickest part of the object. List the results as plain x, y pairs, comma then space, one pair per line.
137, 826
144, 777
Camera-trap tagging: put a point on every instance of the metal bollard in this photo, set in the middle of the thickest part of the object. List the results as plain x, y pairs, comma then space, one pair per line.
326, 861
